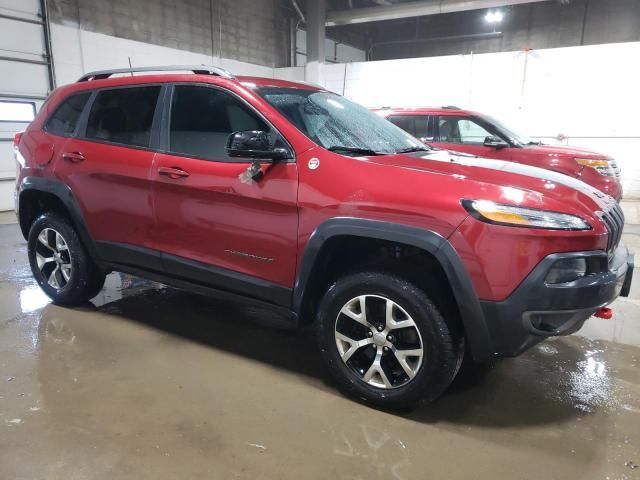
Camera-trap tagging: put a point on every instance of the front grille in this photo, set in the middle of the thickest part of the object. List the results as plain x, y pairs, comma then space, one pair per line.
613, 217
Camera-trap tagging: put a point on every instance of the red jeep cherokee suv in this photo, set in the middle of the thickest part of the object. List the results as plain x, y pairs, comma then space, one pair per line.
295, 199
477, 134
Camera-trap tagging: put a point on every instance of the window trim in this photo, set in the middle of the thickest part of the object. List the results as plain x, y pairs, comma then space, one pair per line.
166, 125
81, 131
24, 102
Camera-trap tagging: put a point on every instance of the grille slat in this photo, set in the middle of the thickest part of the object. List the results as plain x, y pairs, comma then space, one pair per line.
613, 218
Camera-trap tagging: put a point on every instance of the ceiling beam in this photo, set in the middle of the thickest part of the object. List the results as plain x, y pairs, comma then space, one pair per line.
413, 9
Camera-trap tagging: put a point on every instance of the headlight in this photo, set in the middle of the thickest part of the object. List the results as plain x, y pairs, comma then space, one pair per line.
603, 167
512, 215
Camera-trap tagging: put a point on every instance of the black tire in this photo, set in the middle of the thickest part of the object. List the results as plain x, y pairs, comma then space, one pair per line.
443, 344
85, 279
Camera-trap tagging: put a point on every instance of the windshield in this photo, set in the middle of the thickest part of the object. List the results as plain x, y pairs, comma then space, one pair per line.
337, 124
515, 137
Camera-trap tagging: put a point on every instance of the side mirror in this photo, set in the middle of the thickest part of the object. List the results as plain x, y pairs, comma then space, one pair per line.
495, 142
254, 144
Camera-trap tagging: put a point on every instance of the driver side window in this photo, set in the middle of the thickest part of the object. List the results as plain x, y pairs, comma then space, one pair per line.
461, 130
202, 118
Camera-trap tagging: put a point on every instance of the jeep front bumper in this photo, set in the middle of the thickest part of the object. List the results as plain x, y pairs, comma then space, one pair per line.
537, 310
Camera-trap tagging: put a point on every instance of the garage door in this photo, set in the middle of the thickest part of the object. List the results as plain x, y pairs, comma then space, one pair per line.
25, 79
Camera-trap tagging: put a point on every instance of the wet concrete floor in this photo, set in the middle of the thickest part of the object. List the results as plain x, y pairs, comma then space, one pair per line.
154, 383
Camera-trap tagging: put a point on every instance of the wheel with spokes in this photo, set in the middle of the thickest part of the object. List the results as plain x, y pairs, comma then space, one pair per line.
60, 263
385, 342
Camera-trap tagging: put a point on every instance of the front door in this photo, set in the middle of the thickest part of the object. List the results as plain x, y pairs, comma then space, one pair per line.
214, 225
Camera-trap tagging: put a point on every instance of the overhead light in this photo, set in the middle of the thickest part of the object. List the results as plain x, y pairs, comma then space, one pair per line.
494, 17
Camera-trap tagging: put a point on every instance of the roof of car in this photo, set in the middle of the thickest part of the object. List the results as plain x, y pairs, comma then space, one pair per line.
183, 73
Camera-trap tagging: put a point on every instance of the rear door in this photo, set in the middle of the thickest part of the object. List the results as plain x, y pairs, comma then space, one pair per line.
213, 224
107, 166
465, 134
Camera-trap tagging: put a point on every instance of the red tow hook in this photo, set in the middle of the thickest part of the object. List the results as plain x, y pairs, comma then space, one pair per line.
605, 313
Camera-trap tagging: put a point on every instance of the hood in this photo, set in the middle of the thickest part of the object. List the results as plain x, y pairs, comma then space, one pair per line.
506, 182
562, 150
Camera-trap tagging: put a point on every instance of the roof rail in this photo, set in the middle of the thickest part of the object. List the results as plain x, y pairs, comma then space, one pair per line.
197, 69
451, 107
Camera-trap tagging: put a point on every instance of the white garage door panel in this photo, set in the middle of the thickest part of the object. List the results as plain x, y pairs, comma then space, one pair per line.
7, 190
7, 162
23, 78
20, 39
21, 8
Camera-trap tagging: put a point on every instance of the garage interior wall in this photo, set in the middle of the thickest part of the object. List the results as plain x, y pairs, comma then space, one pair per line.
243, 30
575, 96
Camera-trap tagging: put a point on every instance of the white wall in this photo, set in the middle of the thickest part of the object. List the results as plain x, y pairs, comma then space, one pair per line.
589, 94
77, 51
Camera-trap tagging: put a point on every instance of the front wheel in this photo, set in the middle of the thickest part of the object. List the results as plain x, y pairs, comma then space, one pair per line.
60, 263
385, 342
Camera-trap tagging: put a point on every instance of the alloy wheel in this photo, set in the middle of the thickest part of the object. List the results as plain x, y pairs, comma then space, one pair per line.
53, 258
379, 341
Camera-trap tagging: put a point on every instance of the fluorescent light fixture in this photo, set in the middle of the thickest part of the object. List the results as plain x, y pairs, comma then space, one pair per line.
494, 16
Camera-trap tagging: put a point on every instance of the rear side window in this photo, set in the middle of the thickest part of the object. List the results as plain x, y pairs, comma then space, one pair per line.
202, 119
65, 119
419, 126
123, 115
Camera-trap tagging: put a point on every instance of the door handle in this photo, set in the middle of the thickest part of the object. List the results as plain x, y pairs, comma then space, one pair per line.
173, 172
73, 157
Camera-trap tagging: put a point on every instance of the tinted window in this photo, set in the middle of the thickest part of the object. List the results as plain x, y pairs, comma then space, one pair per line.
202, 119
123, 115
65, 118
417, 125
461, 130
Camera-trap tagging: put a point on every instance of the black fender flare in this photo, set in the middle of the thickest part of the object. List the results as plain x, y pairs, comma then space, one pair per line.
471, 313
63, 193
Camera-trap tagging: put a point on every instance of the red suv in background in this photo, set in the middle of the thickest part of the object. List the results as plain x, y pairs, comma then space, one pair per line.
295, 199
469, 132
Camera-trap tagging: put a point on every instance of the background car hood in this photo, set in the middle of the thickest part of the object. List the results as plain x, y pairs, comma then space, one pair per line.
562, 150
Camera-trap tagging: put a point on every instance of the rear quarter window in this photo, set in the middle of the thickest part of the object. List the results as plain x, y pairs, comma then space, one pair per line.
65, 118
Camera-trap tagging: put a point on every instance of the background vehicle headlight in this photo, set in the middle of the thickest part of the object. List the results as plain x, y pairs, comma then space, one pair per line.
603, 167
501, 214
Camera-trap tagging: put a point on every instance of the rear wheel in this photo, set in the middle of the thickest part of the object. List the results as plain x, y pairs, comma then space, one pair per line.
60, 263
385, 342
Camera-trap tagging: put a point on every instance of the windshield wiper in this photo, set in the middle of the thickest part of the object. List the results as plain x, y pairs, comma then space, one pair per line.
414, 149
361, 151
534, 143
